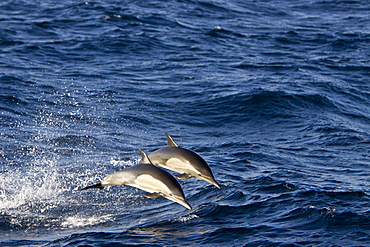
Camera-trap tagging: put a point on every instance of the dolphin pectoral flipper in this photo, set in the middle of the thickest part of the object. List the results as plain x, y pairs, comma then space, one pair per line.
153, 195
183, 176
95, 186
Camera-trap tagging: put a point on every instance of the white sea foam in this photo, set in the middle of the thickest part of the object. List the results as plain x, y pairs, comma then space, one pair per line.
186, 218
124, 163
82, 221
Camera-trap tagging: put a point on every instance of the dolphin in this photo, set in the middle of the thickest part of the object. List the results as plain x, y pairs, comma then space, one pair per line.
147, 177
183, 161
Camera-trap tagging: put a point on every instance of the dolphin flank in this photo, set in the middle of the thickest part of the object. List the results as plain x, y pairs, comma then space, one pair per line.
147, 177
183, 161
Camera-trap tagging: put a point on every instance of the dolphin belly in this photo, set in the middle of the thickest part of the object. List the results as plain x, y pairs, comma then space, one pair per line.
180, 166
148, 183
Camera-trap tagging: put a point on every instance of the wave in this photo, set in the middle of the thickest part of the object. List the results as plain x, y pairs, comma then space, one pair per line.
262, 104
310, 212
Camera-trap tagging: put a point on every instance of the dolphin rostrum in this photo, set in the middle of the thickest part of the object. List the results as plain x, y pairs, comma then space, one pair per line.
183, 161
147, 177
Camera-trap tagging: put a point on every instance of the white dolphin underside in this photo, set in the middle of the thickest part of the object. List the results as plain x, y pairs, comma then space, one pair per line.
181, 166
150, 184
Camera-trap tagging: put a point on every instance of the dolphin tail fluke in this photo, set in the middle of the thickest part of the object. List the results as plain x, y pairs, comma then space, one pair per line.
96, 186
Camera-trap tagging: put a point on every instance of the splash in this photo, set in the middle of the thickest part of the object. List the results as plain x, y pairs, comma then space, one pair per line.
17, 191
28, 195
43, 194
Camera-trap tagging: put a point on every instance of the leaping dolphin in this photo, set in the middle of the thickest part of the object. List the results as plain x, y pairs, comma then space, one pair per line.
147, 177
183, 161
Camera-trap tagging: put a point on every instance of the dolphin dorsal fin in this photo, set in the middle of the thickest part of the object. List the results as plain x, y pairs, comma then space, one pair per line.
144, 157
170, 141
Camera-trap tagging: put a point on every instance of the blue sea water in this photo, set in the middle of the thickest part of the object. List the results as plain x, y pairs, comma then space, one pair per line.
274, 95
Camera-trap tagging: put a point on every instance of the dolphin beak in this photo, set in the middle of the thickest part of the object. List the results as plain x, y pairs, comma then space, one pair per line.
185, 204
97, 186
216, 184
212, 181
180, 201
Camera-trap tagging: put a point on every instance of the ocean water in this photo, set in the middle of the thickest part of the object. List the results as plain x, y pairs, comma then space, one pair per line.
274, 95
